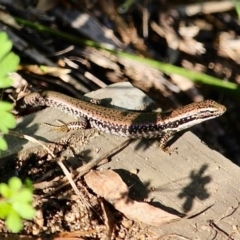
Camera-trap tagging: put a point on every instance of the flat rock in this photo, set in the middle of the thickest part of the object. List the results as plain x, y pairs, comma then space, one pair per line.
193, 179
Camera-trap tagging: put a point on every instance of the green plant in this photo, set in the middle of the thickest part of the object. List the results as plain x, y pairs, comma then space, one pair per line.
8, 63
197, 77
16, 199
16, 203
237, 7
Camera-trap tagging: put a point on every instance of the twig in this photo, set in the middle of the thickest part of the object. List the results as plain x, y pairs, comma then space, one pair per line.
65, 171
84, 169
31, 139
72, 183
214, 225
87, 167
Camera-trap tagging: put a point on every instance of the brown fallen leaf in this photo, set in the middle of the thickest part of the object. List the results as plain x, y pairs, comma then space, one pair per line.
110, 186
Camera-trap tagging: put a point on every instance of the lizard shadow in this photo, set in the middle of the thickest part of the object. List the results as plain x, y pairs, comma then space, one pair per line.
145, 143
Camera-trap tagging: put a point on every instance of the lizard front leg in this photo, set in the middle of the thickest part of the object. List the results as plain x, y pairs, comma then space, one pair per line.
66, 127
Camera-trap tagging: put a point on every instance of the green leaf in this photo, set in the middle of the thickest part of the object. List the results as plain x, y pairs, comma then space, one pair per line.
15, 184
25, 195
8, 60
28, 184
8, 64
5, 190
6, 106
14, 222
3, 144
7, 121
25, 210
5, 82
5, 208
6, 45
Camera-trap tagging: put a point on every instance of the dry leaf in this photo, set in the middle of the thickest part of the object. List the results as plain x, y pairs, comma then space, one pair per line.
110, 186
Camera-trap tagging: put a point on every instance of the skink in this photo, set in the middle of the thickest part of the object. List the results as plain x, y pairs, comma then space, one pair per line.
126, 123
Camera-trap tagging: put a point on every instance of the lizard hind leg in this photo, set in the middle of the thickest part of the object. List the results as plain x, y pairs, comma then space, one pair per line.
165, 137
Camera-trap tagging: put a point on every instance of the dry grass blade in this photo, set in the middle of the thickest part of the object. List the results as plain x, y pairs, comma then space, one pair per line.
65, 171
80, 171
32, 139
70, 180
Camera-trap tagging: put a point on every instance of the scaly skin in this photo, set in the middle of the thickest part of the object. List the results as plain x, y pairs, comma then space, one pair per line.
127, 123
